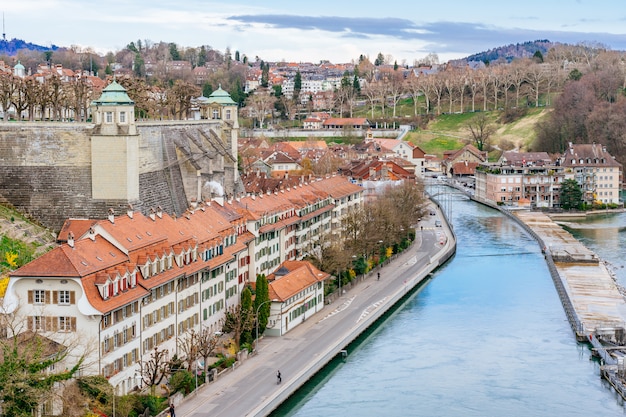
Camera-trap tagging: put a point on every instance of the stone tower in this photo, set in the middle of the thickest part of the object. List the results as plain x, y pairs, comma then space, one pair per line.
114, 146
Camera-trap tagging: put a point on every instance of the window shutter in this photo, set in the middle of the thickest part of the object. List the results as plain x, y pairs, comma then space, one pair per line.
55, 297
73, 323
30, 296
31, 320
48, 298
48, 321
72, 297
55, 323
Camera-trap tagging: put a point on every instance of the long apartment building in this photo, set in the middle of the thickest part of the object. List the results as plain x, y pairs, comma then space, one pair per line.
534, 178
121, 286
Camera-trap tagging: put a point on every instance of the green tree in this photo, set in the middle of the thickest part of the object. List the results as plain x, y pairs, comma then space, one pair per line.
380, 59
139, 67
265, 74
297, 85
207, 89
202, 57
571, 194
262, 296
237, 58
240, 319
246, 308
174, 52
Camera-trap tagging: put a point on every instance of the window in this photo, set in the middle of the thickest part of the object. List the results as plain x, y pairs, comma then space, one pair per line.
64, 297
227, 114
38, 323
39, 297
65, 324
123, 117
216, 114
109, 117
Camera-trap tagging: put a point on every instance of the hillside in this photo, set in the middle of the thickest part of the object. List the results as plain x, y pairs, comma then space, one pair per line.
11, 47
448, 132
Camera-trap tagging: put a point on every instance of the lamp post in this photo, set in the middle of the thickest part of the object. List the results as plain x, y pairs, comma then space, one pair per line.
256, 341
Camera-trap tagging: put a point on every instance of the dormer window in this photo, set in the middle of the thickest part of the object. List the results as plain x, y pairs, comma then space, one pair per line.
162, 264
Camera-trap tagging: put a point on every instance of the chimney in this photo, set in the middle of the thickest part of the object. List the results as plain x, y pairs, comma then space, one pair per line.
111, 216
92, 234
129, 211
70, 239
159, 212
152, 214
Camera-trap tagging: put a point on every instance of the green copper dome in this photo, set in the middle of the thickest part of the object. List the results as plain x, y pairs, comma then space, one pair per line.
113, 94
220, 96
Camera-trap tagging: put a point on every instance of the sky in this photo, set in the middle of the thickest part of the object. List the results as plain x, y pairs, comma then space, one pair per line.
311, 31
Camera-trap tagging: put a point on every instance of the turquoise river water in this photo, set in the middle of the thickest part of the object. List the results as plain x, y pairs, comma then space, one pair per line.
486, 336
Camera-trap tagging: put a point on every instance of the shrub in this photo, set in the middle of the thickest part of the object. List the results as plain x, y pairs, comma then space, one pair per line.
182, 381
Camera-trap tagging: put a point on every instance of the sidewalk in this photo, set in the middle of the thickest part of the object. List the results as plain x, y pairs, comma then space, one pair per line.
251, 390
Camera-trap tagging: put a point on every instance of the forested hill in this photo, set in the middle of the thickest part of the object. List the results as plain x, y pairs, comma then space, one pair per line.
11, 47
512, 51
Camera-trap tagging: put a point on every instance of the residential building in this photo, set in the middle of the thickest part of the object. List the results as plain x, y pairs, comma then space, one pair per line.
596, 171
131, 283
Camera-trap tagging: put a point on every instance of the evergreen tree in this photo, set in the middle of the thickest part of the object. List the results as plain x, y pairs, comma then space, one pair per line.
395, 65
202, 57
380, 59
571, 194
237, 56
262, 296
297, 85
265, 74
238, 94
207, 89
174, 52
246, 310
139, 67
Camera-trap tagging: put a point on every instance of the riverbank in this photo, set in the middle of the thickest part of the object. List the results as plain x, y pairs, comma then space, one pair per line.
251, 390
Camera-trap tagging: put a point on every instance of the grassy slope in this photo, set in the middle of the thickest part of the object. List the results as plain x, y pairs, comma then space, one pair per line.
448, 132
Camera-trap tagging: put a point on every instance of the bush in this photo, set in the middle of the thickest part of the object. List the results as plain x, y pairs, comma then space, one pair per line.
182, 381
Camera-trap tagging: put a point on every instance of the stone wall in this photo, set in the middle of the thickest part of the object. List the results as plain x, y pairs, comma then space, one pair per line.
45, 169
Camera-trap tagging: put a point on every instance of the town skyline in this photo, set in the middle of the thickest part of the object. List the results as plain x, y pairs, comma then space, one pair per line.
330, 31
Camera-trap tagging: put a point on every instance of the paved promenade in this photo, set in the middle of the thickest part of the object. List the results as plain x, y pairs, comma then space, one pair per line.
251, 390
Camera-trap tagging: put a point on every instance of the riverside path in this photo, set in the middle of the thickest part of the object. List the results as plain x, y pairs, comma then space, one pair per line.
251, 389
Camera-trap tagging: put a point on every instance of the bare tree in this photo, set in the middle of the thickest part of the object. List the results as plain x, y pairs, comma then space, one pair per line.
260, 105
8, 85
207, 343
155, 369
480, 129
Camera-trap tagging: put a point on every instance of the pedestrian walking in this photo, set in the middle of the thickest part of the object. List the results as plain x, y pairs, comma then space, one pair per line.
379, 276
172, 410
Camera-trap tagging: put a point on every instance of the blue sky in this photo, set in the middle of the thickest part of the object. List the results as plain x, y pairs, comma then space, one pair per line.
300, 31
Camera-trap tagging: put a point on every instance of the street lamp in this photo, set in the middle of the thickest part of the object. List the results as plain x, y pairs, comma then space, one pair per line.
256, 341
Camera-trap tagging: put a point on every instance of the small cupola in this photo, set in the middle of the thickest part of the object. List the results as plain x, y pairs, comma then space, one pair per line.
114, 112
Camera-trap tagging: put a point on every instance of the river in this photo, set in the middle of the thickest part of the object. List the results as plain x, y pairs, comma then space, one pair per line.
486, 336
